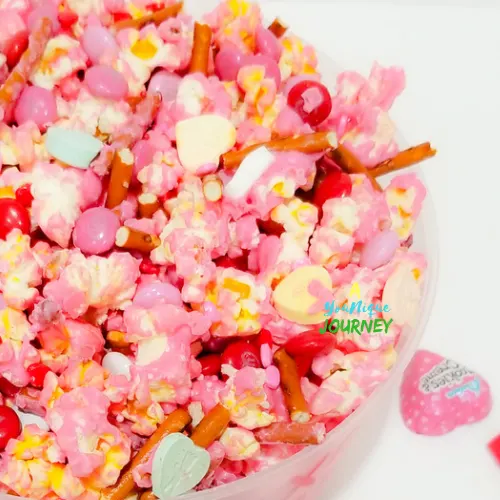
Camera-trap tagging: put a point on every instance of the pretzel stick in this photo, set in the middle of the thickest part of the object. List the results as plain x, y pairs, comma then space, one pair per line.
116, 339
277, 28
201, 49
175, 422
121, 175
156, 18
132, 239
212, 188
404, 159
213, 424
148, 205
348, 161
291, 433
19, 76
310, 143
290, 384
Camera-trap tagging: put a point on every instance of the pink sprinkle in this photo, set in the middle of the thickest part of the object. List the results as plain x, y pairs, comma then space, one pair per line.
272, 377
266, 355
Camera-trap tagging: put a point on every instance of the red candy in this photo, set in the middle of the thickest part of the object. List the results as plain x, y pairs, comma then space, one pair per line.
494, 447
7, 388
240, 263
67, 18
37, 372
241, 354
311, 100
210, 364
264, 337
24, 196
10, 426
335, 184
310, 343
216, 344
270, 227
303, 364
13, 215
147, 267
16, 47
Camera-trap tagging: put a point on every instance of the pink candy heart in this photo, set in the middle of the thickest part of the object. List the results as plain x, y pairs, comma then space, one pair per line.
438, 395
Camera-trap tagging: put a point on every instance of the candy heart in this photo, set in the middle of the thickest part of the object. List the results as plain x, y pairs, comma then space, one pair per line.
248, 173
30, 419
117, 363
72, 147
292, 297
402, 293
438, 395
178, 466
203, 140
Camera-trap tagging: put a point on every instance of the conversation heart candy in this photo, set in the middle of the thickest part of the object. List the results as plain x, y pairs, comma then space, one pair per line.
248, 173
203, 139
439, 395
402, 294
72, 147
293, 299
178, 466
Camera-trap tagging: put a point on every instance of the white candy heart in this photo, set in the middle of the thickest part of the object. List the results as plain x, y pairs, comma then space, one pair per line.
203, 139
248, 173
178, 466
402, 293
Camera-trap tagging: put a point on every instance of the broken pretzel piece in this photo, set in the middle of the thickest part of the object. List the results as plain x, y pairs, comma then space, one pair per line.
277, 28
201, 49
156, 18
132, 239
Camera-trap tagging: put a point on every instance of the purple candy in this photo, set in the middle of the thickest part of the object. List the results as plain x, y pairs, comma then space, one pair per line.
379, 250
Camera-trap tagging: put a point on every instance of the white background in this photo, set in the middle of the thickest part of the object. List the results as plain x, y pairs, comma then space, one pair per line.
452, 60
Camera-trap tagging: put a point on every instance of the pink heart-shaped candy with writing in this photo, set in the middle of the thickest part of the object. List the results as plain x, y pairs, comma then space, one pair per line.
439, 394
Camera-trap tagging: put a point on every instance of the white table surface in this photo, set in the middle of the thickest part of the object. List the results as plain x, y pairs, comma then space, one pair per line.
452, 62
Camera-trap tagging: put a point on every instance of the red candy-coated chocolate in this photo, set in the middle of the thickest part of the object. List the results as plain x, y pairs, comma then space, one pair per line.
311, 100
240, 263
335, 184
264, 337
10, 426
147, 267
303, 364
37, 372
16, 47
241, 354
270, 227
216, 344
210, 364
310, 343
24, 196
13, 215
494, 447
7, 388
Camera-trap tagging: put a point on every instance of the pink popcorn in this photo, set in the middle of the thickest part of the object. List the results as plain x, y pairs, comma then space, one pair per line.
20, 272
239, 444
331, 248
11, 23
57, 200
344, 390
206, 391
405, 195
244, 235
297, 58
95, 449
245, 398
20, 145
235, 22
177, 32
102, 283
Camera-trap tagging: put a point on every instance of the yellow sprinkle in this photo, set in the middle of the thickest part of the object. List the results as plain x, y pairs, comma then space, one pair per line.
143, 49
416, 273
236, 286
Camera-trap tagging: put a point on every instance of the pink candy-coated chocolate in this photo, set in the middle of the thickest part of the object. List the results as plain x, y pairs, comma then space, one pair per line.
152, 294
272, 377
267, 43
166, 84
271, 66
99, 44
95, 231
438, 395
228, 61
91, 188
106, 82
266, 355
38, 105
379, 250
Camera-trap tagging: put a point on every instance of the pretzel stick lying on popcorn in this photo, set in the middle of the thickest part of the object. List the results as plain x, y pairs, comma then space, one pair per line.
211, 427
175, 422
148, 205
404, 159
291, 433
156, 18
277, 28
290, 384
132, 239
13, 86
348, 161
309, 143
201, 49
122, 167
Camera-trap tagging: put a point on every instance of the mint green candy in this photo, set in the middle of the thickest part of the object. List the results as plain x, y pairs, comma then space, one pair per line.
72, 147
178, 466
